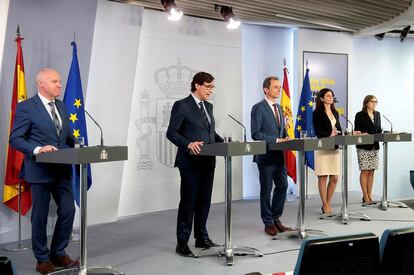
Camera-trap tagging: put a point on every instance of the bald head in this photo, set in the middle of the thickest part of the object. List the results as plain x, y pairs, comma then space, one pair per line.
48, 83
43, 73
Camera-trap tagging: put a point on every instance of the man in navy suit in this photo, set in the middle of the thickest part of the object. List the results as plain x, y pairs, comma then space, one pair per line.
267, 124
41, 126
191, 126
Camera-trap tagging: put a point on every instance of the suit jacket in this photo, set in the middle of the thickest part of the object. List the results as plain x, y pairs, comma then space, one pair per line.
34, 127
187, 125
322, 124
264, 127
364, 124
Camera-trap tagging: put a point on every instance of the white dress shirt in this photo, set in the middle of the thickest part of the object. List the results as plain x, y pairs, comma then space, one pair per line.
45, 102
271, 106
205, 110
273, 110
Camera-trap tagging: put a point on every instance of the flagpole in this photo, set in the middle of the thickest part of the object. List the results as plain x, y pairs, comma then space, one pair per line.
19, 246
74, 237
306, 162
306, 180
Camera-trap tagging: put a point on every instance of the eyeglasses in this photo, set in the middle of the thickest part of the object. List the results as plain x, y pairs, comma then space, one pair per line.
209, 87
374, 101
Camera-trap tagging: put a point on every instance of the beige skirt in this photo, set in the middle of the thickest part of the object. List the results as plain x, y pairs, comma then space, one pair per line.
327, 162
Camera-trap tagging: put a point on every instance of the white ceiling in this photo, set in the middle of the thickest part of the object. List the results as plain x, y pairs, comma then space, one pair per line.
360, 17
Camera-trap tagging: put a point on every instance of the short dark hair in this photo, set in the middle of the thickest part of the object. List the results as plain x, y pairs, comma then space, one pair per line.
200, 78
267, 81
319, 104
367, 99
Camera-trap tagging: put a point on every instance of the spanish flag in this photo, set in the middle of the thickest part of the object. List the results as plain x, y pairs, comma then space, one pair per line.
14, 159
286, 105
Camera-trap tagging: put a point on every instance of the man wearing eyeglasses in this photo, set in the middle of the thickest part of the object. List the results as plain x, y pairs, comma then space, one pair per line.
191, 126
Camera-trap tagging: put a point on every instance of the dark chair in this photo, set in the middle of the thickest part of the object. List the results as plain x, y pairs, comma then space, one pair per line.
397, 251
342, 255
6, 267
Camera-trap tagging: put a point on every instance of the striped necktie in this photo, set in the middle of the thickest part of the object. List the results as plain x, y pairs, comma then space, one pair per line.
204, 114
55, 118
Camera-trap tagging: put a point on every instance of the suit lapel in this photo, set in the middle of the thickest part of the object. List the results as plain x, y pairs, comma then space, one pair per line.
268, 109
281, 118
59, 107
369, 119
196, 110
44, 113
270, 112
377, 119
209, 110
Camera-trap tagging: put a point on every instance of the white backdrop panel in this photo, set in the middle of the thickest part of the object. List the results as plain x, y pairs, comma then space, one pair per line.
108, 98
4, 7
170, 53
384, 69
264, 49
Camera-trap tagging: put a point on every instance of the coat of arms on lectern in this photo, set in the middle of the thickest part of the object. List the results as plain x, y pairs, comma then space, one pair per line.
104, 155
320, 144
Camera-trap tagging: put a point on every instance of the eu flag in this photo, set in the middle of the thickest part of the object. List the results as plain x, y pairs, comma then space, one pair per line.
304, 117
75, 107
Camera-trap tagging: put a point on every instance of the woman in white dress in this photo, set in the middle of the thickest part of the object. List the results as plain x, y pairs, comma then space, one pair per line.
327, 162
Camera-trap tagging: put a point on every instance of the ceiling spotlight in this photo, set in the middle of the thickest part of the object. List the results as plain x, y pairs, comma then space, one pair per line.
404, 33
227, 12
380, 36
171, 8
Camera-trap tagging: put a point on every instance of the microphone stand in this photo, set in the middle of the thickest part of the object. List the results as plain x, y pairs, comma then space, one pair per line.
388, 122
244, 128
96, 125
352, 125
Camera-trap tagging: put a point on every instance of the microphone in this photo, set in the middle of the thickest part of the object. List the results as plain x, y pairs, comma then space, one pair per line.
352, 125
335, 100
97, 124
388, 122
244, 128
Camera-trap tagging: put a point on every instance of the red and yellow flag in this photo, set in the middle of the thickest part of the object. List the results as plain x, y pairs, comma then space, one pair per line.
286, 105
14, 159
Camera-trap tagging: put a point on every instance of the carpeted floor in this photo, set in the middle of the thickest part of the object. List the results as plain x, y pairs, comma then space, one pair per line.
145, 244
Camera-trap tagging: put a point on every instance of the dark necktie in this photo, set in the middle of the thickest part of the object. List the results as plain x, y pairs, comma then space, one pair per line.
203, 114
276, 115
55, 118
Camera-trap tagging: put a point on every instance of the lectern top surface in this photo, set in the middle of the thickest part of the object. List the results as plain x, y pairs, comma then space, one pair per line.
234, 149
85, 155
307, 144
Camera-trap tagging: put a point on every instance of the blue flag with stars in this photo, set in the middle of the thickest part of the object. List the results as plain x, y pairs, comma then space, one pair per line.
304, 117
75, 107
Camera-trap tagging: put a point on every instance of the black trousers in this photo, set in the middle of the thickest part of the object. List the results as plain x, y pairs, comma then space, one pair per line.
195, 200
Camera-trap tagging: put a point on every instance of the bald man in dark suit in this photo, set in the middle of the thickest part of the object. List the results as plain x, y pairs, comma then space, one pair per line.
41, 126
